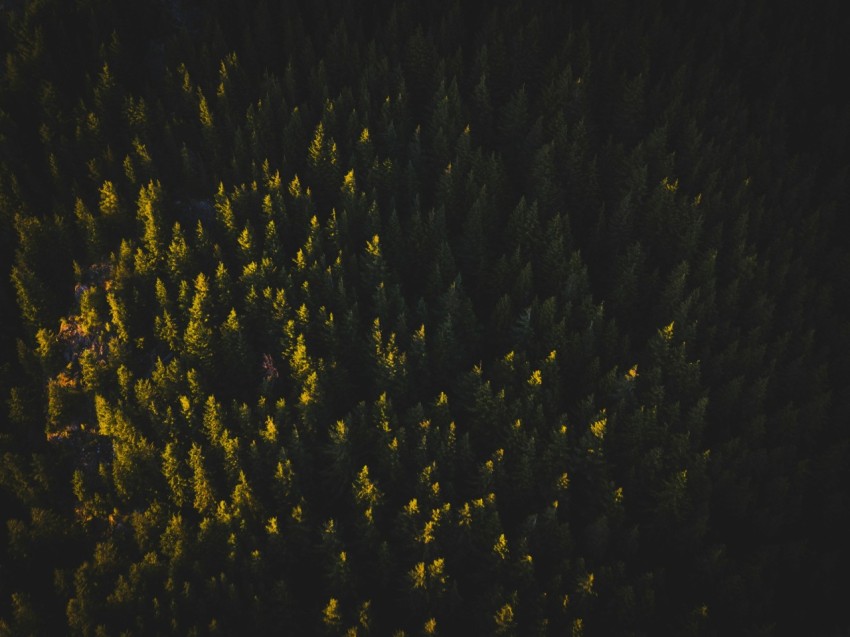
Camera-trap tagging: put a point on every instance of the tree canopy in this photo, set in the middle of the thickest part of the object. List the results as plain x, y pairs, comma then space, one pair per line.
419, 318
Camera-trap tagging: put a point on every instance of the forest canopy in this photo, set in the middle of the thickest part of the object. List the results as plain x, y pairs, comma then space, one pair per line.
407, 318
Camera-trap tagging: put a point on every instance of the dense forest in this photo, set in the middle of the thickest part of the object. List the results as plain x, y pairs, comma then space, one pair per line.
405, 318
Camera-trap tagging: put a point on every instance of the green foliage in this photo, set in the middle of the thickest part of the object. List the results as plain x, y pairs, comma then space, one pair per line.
414, 320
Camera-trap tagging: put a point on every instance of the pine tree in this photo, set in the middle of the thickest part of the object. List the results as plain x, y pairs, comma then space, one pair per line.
150, 215
198, 336
204, 497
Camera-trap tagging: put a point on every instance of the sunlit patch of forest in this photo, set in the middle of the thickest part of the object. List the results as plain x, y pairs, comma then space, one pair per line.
407, 318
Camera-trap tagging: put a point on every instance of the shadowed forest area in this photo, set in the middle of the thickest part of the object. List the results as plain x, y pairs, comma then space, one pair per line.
405, 318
